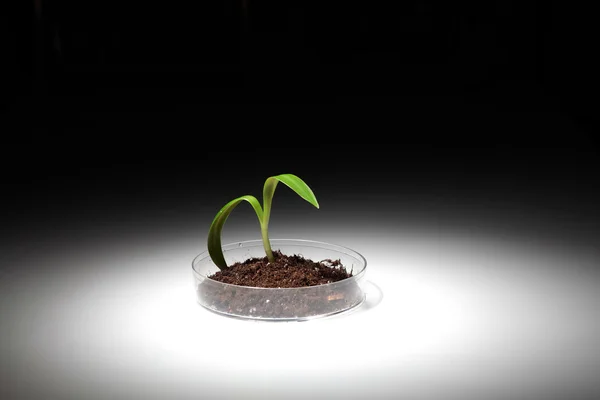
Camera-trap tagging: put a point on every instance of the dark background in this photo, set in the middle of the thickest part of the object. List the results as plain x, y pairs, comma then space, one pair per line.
81, 59
103, 101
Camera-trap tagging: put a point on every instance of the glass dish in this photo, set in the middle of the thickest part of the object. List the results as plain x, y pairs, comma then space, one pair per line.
281, 304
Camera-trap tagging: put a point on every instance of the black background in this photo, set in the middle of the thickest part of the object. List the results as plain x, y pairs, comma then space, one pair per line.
81, 58
102, 97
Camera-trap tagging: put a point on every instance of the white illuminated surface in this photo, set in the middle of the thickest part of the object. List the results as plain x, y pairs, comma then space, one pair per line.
446, 317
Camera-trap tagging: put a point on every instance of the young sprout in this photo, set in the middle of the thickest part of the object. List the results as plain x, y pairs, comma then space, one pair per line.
214, 233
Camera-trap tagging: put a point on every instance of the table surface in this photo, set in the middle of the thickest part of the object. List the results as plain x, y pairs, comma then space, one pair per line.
467, 308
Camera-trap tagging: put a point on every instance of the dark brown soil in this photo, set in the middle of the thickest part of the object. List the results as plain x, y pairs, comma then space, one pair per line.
285, 272
298, 288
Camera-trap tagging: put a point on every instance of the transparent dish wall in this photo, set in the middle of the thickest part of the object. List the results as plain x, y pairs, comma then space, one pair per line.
285, 304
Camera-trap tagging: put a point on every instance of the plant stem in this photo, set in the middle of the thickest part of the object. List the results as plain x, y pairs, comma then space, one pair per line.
264, 230
268, 191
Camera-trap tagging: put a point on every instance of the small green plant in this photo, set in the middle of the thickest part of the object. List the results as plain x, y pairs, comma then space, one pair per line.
214, 234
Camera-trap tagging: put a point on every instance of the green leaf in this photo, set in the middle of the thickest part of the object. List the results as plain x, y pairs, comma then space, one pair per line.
294, 183
214, 233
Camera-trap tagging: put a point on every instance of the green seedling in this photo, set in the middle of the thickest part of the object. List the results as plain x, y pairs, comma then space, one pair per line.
214, 234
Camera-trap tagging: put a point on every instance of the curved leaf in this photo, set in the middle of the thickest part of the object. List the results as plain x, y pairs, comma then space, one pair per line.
298, 186
294, 183
214, 233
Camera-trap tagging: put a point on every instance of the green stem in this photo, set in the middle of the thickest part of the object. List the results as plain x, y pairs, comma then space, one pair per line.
264, 230
268, 191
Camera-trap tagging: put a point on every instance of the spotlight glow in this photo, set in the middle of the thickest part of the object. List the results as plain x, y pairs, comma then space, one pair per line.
447, 316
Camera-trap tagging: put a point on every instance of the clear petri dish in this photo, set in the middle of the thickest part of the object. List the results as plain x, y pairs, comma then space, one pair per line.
281, 304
